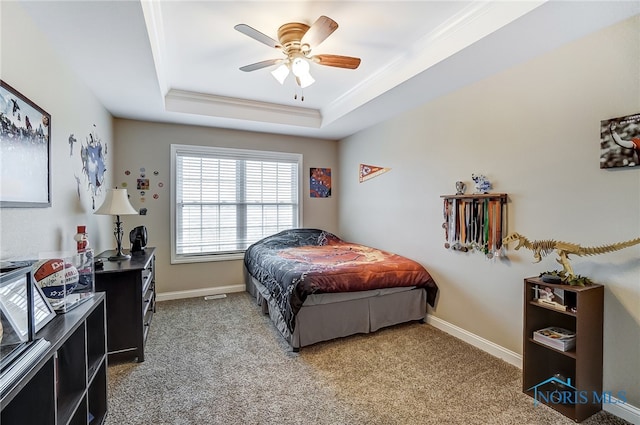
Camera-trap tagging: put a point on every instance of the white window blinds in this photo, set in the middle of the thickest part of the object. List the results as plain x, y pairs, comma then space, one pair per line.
226, 199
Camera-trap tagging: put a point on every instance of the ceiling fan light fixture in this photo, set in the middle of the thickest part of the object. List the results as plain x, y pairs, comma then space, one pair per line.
281, 73
300, 66
305, 80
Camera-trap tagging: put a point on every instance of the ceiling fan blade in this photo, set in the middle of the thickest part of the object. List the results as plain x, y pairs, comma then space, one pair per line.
257, 35
260, 65
337, 61
319, 31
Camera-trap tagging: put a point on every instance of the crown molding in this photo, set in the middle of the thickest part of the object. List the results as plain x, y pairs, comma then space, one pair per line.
153, 18
229, 107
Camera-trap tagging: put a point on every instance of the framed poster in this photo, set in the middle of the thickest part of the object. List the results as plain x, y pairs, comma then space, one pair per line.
620, 142
320, 182
25, 144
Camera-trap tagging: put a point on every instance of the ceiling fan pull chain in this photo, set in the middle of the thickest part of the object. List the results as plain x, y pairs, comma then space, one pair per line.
295, 96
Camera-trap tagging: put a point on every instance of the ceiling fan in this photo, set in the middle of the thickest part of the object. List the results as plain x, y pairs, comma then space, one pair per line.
296, 40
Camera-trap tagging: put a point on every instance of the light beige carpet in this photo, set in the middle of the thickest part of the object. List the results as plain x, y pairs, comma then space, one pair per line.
222, 362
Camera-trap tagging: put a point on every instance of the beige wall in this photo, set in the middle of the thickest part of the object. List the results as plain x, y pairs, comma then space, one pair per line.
30, 65
533, 130
147, 145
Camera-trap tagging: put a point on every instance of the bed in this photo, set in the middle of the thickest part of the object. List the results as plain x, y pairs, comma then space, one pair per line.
317, 287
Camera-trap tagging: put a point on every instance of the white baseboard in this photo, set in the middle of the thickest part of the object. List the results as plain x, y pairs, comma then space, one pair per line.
626, 411
195, 293
479, 342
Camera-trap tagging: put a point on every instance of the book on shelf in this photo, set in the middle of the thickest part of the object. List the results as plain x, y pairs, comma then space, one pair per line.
555, 337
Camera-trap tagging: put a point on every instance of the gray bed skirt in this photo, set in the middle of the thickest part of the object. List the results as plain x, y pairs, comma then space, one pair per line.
327, 316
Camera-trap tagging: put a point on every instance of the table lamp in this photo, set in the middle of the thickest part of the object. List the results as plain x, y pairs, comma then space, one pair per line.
117, 203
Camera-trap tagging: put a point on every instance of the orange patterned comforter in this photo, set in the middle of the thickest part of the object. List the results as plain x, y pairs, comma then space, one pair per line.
296, 263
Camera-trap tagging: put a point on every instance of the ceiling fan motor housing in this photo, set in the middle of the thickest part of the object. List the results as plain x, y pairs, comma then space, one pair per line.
290, 35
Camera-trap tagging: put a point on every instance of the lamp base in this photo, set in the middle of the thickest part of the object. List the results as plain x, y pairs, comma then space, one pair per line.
120, 257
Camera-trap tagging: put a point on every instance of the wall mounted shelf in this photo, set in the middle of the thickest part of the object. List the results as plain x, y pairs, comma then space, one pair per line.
502, 196
474, 222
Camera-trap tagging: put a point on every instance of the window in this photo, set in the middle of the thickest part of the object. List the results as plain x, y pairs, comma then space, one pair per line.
223, 200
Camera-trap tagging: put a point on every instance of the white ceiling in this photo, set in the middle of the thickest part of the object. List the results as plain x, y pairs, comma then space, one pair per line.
177, 61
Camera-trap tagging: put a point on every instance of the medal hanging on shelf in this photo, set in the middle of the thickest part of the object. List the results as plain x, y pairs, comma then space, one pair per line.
473, 225
495, 227
455, 225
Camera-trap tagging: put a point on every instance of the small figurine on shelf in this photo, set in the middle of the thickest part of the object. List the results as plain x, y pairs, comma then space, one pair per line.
82, 239
460, 188
482, 184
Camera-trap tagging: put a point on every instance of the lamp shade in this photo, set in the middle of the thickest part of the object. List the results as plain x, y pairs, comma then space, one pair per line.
300, 67
280, 73
305, 81
116, 203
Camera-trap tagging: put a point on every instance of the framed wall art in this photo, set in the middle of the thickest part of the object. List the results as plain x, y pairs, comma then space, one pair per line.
25, 145
620, 142
320, 182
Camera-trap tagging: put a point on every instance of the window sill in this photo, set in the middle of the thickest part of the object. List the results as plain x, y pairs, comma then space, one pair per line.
185, 259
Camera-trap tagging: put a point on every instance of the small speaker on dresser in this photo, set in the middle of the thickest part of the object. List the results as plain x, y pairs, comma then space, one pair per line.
138, 239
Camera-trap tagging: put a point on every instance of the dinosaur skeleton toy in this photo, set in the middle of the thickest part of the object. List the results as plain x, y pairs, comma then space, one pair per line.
564, 249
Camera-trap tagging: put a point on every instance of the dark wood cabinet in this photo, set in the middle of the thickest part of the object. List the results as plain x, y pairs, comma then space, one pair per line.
68, 384
130, 289
545, 369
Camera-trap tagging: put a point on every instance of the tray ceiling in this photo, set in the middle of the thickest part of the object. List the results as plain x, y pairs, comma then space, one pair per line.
178, 61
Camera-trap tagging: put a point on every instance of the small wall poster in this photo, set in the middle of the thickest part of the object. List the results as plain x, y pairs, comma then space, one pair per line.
142, 184
320, 183
620, 142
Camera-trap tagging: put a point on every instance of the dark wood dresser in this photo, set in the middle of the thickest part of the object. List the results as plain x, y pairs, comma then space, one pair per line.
130, 289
